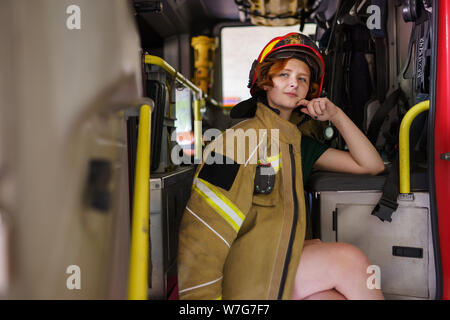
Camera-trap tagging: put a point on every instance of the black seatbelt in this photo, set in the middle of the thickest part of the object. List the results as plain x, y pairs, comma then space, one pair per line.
379, 116
388, 202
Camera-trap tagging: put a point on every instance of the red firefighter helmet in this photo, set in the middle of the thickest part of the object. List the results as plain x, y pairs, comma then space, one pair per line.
292, 45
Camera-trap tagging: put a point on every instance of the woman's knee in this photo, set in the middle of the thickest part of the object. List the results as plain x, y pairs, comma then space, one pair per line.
351, 276
349, 258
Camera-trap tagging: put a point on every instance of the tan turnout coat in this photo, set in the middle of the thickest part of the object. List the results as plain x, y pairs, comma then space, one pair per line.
234, 244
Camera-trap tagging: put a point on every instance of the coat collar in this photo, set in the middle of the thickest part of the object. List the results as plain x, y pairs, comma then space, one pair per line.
289, 132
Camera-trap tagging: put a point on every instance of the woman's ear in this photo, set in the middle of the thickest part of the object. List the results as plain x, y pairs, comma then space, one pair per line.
313, 91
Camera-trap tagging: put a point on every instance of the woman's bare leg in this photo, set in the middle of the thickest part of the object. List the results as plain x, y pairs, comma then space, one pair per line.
333, 266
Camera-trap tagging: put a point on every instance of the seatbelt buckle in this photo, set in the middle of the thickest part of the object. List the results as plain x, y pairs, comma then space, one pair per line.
384, 209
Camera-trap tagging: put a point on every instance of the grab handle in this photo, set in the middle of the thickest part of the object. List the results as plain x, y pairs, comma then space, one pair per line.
404, 165
139, 252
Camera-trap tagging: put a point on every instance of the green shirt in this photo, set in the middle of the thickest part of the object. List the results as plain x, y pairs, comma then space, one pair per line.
311, 150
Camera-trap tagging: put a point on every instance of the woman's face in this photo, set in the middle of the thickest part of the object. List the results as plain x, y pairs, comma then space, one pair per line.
290, 85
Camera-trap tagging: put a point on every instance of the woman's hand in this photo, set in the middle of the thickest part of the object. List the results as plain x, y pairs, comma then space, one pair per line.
319, 108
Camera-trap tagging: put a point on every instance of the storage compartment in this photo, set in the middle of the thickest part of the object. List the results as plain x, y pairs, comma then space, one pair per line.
400, 275
402, 249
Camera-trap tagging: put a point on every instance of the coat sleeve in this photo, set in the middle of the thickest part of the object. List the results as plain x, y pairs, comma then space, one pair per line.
221, 197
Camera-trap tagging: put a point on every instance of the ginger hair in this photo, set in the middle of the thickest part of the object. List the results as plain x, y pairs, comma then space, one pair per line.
269, 68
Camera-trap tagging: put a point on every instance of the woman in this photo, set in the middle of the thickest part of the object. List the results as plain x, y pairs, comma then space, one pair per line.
242, 235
